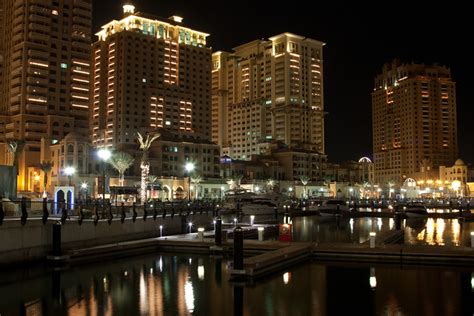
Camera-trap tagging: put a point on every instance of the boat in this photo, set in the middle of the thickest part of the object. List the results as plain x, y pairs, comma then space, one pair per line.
415, 210
249, 203
332, 207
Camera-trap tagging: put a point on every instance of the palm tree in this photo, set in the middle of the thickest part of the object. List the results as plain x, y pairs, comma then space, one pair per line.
145, 144
270, 184
121, 161
46, 167
15, 147
304, 180
196, 180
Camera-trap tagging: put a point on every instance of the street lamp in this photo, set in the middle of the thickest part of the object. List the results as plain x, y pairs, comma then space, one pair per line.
189, 167
84, 187
104, 155
69, 171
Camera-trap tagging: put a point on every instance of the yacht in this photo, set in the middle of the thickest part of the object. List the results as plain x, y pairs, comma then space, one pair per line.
332, 207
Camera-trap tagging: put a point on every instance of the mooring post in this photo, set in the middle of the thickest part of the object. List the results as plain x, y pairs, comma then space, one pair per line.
218, 231
24, 213
238, 248
45, 210
57, 239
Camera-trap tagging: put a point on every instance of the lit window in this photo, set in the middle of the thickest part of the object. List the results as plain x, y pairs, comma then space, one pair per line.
63, 65
55, 12
144, 80
168, 123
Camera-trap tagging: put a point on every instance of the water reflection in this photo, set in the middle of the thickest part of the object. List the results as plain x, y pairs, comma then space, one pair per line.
352, 230
440, 232
308, 289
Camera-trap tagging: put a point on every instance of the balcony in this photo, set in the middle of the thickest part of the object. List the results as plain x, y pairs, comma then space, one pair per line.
83, 4
34, 135
39, 27
36, 126
36, 108
38, 36
39, 18
37, 90
82, 21
36, 80
38, 54
81, 45
82, 12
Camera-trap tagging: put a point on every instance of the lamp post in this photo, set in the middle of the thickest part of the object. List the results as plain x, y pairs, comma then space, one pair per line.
104, 155
69, 171
189, 167
84, 187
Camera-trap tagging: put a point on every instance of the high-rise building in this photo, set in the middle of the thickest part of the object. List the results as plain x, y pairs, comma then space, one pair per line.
414, 120
44, 90
266, 91
149, 73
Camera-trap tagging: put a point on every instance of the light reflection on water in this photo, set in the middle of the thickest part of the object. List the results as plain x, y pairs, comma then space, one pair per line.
423, 231
332, 229
307, 289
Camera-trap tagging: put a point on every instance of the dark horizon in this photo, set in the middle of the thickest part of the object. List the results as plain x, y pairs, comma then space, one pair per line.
360, 38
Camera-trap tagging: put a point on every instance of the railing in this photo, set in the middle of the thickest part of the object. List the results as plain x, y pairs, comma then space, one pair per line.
96, 210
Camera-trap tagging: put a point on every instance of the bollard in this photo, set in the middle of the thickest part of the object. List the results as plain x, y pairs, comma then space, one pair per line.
398, 221
218, 231
164, 210
24, 213
261, 231
111, 216
57, 239
472, 239
64, 214
275, 211
238, 248
81, 214
372, 239
201, 234
122, 211
2, 212
161, 230
45, 210
286, 218
145, 213
96, 214
252, 219
134, 209
155, 210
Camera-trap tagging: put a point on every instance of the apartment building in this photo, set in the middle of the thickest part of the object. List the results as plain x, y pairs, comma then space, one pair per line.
268, 91
414, 120
44, 60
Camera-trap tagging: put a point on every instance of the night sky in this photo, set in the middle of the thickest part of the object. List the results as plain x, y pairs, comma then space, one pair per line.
359, 37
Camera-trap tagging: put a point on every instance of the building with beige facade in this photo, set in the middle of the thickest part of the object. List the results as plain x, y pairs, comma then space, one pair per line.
44, 91
266, 91
413, 120
149, 73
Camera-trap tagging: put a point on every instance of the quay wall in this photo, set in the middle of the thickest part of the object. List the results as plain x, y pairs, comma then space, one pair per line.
33, 241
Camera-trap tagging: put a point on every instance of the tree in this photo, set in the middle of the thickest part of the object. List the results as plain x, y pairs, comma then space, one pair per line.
46, 167
304, 180
15, 147
121, 161
145, 144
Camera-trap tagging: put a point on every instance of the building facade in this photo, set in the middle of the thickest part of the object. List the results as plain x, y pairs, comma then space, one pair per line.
44, 58
148, 74
413, 120
268, 90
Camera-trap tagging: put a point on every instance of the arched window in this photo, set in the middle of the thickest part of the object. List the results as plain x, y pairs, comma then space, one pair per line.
70, 149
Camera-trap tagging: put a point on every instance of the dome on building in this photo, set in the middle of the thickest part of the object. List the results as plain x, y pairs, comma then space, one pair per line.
74, 136
459, 162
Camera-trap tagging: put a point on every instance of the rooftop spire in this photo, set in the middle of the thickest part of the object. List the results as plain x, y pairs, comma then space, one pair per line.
128, 9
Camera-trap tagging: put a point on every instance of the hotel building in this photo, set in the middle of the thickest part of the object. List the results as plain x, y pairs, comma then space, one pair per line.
147, 74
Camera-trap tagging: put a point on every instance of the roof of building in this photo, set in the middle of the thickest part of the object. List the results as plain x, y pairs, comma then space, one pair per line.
459, 162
